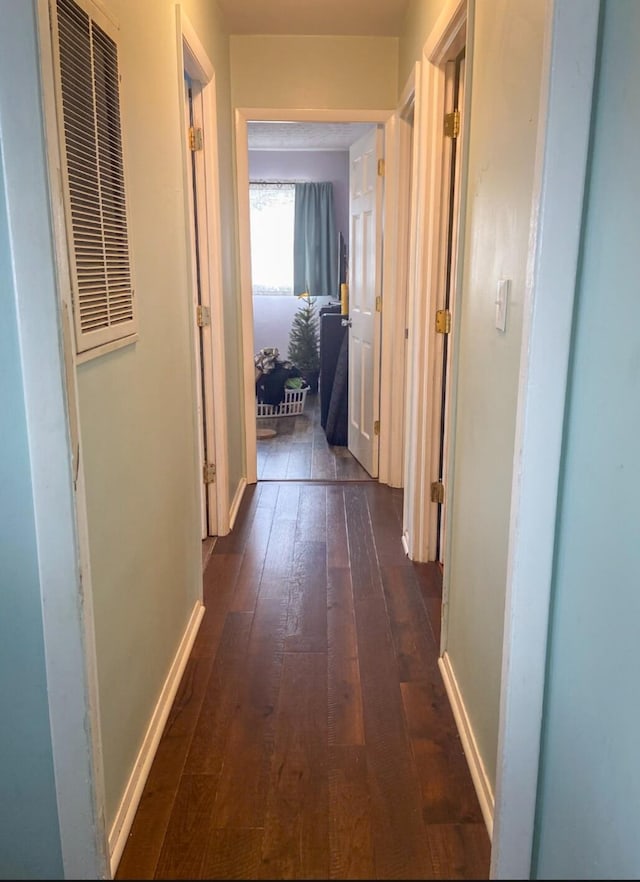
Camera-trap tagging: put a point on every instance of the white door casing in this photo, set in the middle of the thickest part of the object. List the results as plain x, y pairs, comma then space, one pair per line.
201, 300
365, 285
397, 269
571, 47
209, 345
195, 297
243, 115
48, 359
446, 298
421, 455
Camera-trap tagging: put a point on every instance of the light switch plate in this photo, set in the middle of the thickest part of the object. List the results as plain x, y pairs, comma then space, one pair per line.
502, 296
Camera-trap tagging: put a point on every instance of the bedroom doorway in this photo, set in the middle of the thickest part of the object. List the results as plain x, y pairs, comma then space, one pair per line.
308, 439
198, 115
204, 368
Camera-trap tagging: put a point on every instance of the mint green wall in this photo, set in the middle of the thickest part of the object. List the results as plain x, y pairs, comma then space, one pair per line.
588, 812
314, 72
138, 432
505, 83
137, 404
207, 21
420, 18
29, 834
51, 823
136, 417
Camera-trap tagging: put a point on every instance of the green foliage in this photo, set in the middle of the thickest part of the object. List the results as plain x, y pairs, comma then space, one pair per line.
304, 336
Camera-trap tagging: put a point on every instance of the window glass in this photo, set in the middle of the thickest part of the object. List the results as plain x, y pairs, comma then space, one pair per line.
271, 217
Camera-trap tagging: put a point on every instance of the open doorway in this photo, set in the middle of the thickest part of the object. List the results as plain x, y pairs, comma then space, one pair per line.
203, 241
301, 176
446, 303
390, 307
432, 309
200, 292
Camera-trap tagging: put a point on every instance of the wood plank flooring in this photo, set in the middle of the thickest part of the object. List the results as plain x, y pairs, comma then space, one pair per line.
300, 451
311, 736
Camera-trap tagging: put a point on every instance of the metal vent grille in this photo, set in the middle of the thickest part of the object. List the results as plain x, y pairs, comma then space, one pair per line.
95, 186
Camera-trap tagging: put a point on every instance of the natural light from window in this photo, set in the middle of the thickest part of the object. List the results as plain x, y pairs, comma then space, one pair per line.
271, 217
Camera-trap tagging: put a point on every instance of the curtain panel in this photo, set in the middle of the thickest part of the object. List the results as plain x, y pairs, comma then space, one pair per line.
315, 243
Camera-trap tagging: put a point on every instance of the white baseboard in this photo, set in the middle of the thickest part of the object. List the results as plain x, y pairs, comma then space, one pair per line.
474, 760
133, 792
405, 543
235, 505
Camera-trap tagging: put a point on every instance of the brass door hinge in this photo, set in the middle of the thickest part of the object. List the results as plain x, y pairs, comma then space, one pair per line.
381, 168
376, 427
437, 492
203, 316
209, 473
378, 303
452, 124
443, 321
195, 138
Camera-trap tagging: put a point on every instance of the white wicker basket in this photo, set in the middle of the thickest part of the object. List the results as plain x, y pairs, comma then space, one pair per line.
292, 405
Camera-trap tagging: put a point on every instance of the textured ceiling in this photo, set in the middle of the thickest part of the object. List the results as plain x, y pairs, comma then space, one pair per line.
382, 18
303, 135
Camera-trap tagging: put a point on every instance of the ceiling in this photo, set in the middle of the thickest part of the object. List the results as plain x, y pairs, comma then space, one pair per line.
375, 18
303, 135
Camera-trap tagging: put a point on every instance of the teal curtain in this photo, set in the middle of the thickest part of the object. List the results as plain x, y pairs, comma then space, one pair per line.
315, 242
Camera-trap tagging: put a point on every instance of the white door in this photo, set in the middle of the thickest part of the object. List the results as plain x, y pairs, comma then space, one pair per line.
365, 285
201, 308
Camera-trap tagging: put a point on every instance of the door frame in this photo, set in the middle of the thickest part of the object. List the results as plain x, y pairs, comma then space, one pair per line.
243, 115
423, 406
205, 424
569, 63
193, 59
45, 325
443, 390
568, 68
398, 261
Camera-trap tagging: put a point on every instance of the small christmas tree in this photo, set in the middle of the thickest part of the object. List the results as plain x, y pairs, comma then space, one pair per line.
303, 340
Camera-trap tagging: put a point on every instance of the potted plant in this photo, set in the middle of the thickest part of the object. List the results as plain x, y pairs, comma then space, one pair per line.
304, 350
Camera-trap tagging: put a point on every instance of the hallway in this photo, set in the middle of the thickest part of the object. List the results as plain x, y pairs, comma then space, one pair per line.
311, 737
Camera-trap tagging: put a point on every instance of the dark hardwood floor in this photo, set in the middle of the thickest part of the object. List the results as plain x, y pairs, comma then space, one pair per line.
311, 736
300, 451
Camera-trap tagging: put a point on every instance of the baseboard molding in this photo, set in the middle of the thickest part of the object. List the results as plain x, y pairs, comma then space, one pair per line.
128, 806
474, 760
237, 499
405, 543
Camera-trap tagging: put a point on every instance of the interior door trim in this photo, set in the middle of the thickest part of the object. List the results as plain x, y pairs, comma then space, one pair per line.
243, 115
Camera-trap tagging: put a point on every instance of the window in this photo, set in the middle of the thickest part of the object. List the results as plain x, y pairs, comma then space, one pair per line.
93, 174
271, 218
